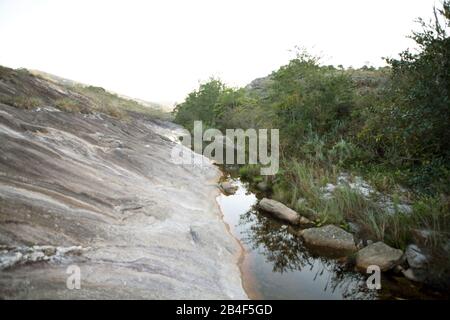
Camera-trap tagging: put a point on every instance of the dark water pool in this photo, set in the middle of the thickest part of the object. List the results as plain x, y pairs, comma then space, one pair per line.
276, 265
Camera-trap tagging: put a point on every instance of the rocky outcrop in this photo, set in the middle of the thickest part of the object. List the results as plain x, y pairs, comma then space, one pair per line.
379, 254
330, 237
90, 180
280, 211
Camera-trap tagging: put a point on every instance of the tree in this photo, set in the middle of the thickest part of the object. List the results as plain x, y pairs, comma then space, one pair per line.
420, 92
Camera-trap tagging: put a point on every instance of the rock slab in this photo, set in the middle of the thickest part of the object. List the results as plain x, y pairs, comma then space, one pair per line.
379, 254
91, 180
329, 236
280, 211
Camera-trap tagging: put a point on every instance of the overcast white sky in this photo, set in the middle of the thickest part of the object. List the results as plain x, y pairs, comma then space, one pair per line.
159, 50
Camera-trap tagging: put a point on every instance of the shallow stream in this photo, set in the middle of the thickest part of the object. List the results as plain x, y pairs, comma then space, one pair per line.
277, 265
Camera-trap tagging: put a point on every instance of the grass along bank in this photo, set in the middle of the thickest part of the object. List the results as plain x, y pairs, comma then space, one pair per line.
328, 196
366, 149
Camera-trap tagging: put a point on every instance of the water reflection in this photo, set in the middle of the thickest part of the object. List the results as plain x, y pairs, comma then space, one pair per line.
272, 239
277, 261
285, 253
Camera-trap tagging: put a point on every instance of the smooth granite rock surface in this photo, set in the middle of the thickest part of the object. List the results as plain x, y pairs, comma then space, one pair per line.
144, 226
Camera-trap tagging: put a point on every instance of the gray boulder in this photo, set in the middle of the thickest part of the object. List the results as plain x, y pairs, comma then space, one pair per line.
228, 188
280, 211
379, 254
419, 264
415, 257
329, 236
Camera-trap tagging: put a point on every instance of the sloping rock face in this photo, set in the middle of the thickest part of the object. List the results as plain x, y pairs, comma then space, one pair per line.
280, 211
146, 227
379, 254
330, 237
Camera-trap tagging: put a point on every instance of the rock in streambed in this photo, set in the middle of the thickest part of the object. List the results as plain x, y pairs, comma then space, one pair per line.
280, 211
330, 237
379, 254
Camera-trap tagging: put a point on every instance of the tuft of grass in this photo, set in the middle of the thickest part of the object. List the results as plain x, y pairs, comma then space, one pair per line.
114, 112
382, 182
345, 204
68, 105
298, 185
429, 213
300, 180
432, 213
116, 106
22, 102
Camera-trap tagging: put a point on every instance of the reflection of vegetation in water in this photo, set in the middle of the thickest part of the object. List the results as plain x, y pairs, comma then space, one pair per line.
389, 126
272, 239
286, 253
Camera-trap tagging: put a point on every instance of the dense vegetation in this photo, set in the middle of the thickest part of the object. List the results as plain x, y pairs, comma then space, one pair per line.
389, 125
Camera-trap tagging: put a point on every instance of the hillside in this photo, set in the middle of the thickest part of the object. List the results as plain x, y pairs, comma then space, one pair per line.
29, 89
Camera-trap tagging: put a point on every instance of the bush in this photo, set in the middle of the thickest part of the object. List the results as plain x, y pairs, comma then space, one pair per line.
249, 172
391, 125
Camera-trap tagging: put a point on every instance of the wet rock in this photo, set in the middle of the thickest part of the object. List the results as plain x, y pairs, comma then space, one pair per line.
280, 211
228, 188
379, 254
430, 267
329, 236
415, 257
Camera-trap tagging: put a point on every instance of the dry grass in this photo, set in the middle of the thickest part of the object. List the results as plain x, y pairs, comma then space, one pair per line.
22, 102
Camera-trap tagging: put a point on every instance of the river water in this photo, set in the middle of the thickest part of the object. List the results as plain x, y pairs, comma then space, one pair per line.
276, 265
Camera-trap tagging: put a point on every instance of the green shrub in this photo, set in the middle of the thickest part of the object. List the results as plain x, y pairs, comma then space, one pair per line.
390, 125
250, 172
